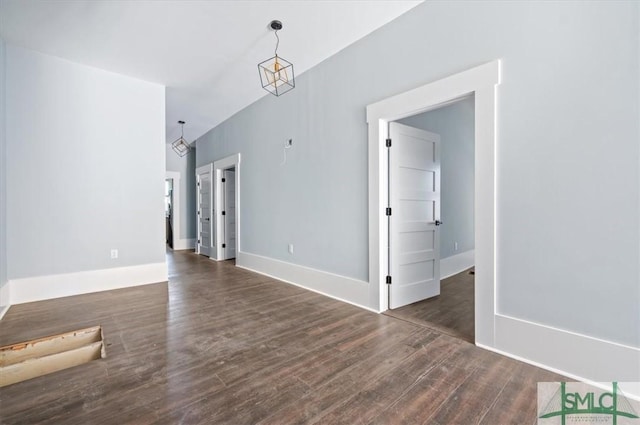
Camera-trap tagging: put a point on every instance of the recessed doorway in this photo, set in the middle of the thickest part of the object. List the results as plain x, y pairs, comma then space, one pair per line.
431, 225
228, 212
168, 211
227, 207
480, 81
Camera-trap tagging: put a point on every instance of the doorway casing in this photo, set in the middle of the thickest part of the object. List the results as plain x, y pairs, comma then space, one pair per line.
481, 82
219, 166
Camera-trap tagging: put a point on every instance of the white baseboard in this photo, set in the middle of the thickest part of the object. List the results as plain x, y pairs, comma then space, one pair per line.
341, 288
573, 355
184, 244
456, 263
63, 285
576, 356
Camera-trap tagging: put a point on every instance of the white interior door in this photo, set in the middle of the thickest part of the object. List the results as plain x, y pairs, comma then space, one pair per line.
205, 238
229, 213
414, 199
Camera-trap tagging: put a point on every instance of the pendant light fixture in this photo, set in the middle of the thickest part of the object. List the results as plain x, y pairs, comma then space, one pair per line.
276, 74
181, 146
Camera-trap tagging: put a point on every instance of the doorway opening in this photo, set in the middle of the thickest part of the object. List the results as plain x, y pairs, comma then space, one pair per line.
227, 207
431, 227
168, 211
228, 212
481, 82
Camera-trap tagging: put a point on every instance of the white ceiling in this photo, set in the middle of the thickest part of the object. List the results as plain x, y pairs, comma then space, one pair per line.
205, 52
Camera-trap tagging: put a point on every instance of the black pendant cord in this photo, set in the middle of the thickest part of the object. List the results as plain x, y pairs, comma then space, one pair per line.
277, 42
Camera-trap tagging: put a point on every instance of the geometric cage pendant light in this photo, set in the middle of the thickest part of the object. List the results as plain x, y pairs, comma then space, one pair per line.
276, 73
180, 146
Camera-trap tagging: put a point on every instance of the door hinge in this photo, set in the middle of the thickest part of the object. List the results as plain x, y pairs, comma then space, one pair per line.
198, 240
388, 280
198, 183
224, 180
388, 211
224, 213
224, 245
388, 143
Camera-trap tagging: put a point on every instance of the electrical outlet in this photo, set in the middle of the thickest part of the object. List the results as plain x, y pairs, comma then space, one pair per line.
114, 254
290, 248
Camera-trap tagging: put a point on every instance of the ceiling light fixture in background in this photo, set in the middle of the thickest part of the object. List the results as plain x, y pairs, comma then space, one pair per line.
276, 74
181, 146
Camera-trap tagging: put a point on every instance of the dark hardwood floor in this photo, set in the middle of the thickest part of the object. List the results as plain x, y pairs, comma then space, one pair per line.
452, 312
220, 345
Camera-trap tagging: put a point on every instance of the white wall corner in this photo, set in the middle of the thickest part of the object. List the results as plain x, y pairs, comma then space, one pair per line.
4, 310
456, 263
63, 285
5, 299
341, 288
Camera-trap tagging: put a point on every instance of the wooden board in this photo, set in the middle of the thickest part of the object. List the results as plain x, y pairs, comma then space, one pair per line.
30, 359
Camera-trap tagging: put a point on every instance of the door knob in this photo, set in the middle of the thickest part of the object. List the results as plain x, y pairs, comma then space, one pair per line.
438, 222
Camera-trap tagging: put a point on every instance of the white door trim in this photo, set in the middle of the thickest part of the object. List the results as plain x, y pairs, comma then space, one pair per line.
218, 166
480, 81
201, 170
175, 206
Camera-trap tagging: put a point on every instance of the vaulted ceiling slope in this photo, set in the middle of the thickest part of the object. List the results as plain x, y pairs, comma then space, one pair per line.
205, 52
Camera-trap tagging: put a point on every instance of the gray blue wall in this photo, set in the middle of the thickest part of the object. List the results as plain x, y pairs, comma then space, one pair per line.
455, 125
567, 154
86, 169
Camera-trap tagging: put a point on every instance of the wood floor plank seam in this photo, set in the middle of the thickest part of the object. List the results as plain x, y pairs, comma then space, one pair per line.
337, 377
415, 383
408, 358
495, 400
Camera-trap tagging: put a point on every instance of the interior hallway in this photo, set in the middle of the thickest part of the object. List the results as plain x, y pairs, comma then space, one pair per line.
227, 346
